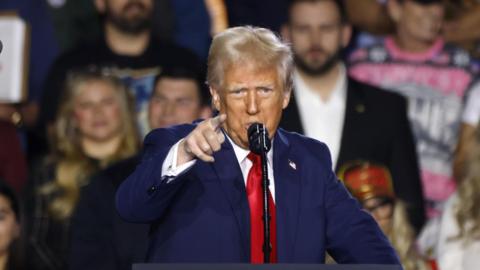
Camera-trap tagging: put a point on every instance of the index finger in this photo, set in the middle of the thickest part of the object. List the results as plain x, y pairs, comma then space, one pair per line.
218, 120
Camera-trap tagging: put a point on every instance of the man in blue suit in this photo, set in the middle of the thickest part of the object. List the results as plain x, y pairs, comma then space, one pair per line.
198, 184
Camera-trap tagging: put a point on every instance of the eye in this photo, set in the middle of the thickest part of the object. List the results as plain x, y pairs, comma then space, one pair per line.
301, 29
238, 92
158, 99
264, 91
108, 101
85, 105
328, 28
184, 102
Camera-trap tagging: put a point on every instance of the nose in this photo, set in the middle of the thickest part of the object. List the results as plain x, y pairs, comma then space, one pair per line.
316, 37
252, 99
169, 108
97, 109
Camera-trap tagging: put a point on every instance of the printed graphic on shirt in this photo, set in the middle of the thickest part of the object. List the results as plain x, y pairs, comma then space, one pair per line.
141, 84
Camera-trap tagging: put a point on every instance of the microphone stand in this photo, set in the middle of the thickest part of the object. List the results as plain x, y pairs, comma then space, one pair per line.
259, 143
267, 247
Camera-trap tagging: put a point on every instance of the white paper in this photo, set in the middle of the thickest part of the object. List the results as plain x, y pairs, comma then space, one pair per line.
13, 71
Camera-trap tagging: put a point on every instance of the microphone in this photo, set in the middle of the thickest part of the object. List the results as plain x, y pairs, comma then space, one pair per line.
258, 139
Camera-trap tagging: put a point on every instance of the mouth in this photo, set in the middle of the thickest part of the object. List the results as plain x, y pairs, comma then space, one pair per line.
316, 56
316, 50
99, 124
247, 125
134, 7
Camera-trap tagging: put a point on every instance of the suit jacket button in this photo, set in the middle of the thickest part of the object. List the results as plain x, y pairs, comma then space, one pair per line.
360, 108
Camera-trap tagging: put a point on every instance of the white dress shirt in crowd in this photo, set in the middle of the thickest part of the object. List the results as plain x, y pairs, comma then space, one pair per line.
323, 120
171, 170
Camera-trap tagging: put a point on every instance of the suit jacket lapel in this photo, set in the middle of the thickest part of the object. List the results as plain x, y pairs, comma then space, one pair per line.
287, 196
231, 180
355, 108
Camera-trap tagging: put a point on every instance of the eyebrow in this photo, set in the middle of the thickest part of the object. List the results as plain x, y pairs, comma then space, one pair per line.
236, 87
266, 86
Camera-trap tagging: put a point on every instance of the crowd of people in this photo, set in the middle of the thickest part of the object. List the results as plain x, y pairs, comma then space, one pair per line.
392, 88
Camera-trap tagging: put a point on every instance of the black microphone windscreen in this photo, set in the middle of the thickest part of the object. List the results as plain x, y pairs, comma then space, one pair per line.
258, 139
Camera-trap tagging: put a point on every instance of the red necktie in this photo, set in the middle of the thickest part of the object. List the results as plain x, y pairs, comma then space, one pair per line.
255, 200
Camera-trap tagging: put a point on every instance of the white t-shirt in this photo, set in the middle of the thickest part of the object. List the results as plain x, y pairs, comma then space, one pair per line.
471, 112
452, 253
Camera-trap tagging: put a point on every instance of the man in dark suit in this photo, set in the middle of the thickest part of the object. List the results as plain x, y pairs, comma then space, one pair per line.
355, 120
199, 185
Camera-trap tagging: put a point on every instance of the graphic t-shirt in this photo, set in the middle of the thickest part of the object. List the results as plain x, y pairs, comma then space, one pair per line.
434, 83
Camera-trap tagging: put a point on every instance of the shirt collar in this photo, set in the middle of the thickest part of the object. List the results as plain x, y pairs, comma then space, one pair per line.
241, 154
398, 53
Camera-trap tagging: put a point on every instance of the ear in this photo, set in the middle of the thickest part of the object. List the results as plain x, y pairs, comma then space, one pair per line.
100, 5
285, 32
346, 34
215, 98
205, 112
286, 98
394, 10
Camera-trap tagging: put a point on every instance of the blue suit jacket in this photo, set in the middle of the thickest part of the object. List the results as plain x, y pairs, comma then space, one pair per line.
203, 214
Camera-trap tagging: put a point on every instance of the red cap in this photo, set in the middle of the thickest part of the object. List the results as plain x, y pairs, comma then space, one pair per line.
367, 180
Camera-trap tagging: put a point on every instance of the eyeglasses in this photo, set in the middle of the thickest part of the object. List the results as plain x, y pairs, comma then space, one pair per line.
379, 203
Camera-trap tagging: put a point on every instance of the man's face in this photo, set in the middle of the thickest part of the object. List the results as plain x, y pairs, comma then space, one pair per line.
131, 16
382, 212
420, 22
250, 95
174, 101
317, 36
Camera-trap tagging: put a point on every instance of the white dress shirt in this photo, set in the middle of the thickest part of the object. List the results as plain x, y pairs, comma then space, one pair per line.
171, 170
323, 120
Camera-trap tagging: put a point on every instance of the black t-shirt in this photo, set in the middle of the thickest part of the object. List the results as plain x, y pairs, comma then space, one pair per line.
137, 71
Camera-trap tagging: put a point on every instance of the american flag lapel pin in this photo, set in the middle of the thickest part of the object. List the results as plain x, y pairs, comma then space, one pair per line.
292, 164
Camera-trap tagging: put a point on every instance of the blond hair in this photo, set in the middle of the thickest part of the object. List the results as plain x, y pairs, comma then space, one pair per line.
402, 237
72, 165
368, 180
466, 210
248, 45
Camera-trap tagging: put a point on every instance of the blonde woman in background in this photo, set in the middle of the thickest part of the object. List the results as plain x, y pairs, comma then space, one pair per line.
459, 239
94, 127
371, 185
